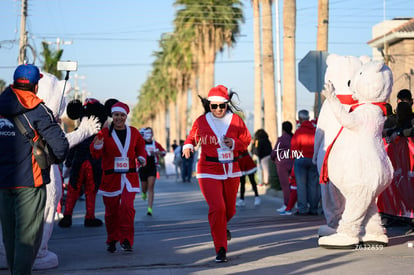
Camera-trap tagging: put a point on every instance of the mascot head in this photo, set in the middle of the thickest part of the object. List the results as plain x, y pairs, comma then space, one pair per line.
91, 107
372, 82
341, 69
53, 92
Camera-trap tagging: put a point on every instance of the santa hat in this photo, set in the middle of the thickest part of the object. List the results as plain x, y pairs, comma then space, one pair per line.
219, 94
120, 107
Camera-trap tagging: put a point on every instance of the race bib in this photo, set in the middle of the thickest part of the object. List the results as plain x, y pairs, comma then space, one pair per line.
225, 155
150, 149
121, 165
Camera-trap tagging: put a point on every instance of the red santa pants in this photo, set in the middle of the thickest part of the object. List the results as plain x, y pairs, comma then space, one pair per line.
221, 198
119, 217
85, 178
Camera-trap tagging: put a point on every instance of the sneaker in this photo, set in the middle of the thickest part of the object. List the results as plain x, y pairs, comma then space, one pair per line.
111, 247
228, 235
221, 256
149, 211
240, 202
92, 222
286, 213
257, 201
281, 209
144, 196
126, 246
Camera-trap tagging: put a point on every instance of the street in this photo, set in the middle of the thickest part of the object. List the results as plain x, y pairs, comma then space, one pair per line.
176, 240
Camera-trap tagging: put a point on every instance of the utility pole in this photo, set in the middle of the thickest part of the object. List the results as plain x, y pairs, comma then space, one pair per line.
59, 42
23, 34
321, 43
77, 94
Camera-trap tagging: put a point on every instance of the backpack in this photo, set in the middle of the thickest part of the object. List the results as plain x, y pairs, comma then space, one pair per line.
41, 151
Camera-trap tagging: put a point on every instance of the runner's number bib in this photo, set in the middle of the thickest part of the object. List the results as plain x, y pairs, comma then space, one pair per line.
225, 155
121, 165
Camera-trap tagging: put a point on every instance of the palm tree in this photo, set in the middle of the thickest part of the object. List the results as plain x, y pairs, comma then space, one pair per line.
213, 24
270, 122
51, 59
289, 57
2, 85
258, 97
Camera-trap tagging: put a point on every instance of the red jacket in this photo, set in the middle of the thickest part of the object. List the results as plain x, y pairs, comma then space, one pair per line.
205, 133
113, 183
303, 140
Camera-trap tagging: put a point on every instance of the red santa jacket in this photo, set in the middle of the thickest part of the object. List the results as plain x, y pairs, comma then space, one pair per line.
207, 132
246, 163
114, 182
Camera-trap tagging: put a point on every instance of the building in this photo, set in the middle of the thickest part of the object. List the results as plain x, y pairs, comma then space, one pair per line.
393, 41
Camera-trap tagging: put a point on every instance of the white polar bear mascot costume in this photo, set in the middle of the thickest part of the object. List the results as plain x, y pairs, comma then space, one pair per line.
51, 90
357, 163
340, 70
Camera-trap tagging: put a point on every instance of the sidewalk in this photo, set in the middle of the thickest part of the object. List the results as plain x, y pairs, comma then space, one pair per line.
176, 240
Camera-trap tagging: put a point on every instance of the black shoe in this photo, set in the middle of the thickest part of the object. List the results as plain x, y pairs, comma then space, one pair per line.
221, 256
228, 235
92, 222
126, 246
66, 221
111, 247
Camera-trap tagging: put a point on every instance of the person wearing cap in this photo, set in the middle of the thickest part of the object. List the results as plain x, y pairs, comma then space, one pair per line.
221, 134
22, 181
119, 146
148, 173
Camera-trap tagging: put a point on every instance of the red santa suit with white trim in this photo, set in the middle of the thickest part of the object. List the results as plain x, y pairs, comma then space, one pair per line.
218, 178
119, 185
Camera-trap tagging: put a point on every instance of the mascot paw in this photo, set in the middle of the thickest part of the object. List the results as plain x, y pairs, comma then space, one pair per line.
326, 230
338, 241
66, 221
374, 239
48, 261
329, 90
90, 125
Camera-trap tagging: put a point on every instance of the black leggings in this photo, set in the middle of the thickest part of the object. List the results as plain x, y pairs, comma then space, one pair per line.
243, 185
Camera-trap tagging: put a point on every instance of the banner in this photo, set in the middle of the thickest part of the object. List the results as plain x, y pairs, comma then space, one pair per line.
398, 198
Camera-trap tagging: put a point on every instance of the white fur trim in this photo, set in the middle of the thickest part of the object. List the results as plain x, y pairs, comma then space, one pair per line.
118, 109
217, 98
98, 147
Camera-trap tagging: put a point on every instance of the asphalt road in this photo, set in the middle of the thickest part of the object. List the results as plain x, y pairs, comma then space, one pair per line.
176, 240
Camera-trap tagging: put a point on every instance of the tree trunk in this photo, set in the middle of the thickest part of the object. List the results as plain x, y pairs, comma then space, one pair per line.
270, 123
258, 98
173, 118
289, 64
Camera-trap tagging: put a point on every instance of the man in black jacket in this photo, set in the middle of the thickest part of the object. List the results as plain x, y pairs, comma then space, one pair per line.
22, 181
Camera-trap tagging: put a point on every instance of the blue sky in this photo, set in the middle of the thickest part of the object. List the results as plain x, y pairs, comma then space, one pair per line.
113, 41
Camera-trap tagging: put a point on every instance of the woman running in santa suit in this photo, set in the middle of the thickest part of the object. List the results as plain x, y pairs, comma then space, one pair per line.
119, 146
221, 134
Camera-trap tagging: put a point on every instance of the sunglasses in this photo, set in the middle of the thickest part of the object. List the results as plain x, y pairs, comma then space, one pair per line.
222, 106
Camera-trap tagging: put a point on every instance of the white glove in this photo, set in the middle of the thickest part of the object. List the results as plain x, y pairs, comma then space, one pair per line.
87, 127
329, 90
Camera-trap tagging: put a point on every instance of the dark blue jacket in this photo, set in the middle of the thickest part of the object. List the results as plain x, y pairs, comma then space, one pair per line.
18, 167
